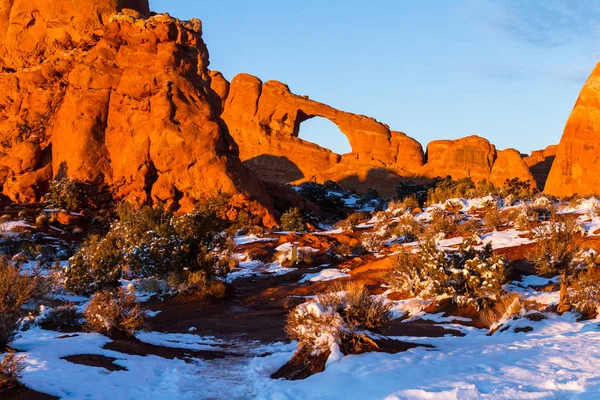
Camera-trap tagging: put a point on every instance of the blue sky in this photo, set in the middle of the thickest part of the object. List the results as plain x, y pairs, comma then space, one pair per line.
509, 71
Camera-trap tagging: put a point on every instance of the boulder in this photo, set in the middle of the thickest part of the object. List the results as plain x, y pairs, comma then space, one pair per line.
471, 156
509, 165
575, 170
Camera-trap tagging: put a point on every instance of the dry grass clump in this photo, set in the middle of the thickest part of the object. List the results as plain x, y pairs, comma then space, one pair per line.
505, 308
442, 222
353, 220
408, 229
584, 295
114, 313
16, 290
11, 368
339, 318
407, 204
494, 218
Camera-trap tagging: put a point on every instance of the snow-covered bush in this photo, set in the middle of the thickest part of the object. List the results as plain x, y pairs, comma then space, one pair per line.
11, 368
470, 276
559, 251
291, 220
337, 321
65, 194
150, 242
16, 290
114, 313
408, 229
374, 242
96, 266
524, 218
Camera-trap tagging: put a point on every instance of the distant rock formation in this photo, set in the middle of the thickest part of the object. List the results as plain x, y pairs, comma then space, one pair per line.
474, 157
540, 162
264, 119
576, 168
116, 98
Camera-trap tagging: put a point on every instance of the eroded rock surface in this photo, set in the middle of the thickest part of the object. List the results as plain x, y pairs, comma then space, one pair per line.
575, 168
118, 98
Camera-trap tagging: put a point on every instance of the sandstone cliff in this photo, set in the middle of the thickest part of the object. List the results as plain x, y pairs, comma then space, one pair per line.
575, 168
540, 162
123, 99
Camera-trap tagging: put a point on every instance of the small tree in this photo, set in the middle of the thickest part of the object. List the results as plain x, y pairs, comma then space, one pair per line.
65, 194
559, 251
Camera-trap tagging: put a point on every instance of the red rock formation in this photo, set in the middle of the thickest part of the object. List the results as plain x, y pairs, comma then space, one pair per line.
540, 162
508, 165
264, 119
471, 156
575, 168
121, 99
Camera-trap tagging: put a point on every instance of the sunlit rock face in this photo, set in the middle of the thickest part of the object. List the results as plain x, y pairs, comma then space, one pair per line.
105, 93
577, 164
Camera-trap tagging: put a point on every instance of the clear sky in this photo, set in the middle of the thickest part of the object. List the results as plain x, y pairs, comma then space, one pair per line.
509, 71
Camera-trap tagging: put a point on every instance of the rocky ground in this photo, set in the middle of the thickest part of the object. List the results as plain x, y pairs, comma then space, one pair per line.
229, 348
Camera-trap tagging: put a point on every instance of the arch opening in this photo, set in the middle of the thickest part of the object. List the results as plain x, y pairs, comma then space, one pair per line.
323, 132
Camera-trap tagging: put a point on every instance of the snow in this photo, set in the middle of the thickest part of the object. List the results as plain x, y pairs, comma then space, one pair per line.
507, 238
246, 269
557, 360
248, 239
179, 340
9, 228
325, 275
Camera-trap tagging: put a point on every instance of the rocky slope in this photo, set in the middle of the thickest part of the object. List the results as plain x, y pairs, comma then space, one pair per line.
122, 99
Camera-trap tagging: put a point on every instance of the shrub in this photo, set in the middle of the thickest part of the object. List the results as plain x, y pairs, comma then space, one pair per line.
96, 266
149, 242
411, 189
408, 203
16, 290
472, 277
519, 189
408, 229
373, 242
494, 218
339, 319
353, 220
11, 368
62, 318
199, 286
524, 218
507, 307
291, 220
65, 194
558, 250
442, 223
346, 249
584, 295
447, 188
469, 227
327, 196
114, 313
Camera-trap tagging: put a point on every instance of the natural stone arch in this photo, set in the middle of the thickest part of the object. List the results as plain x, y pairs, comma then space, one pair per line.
322, 132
